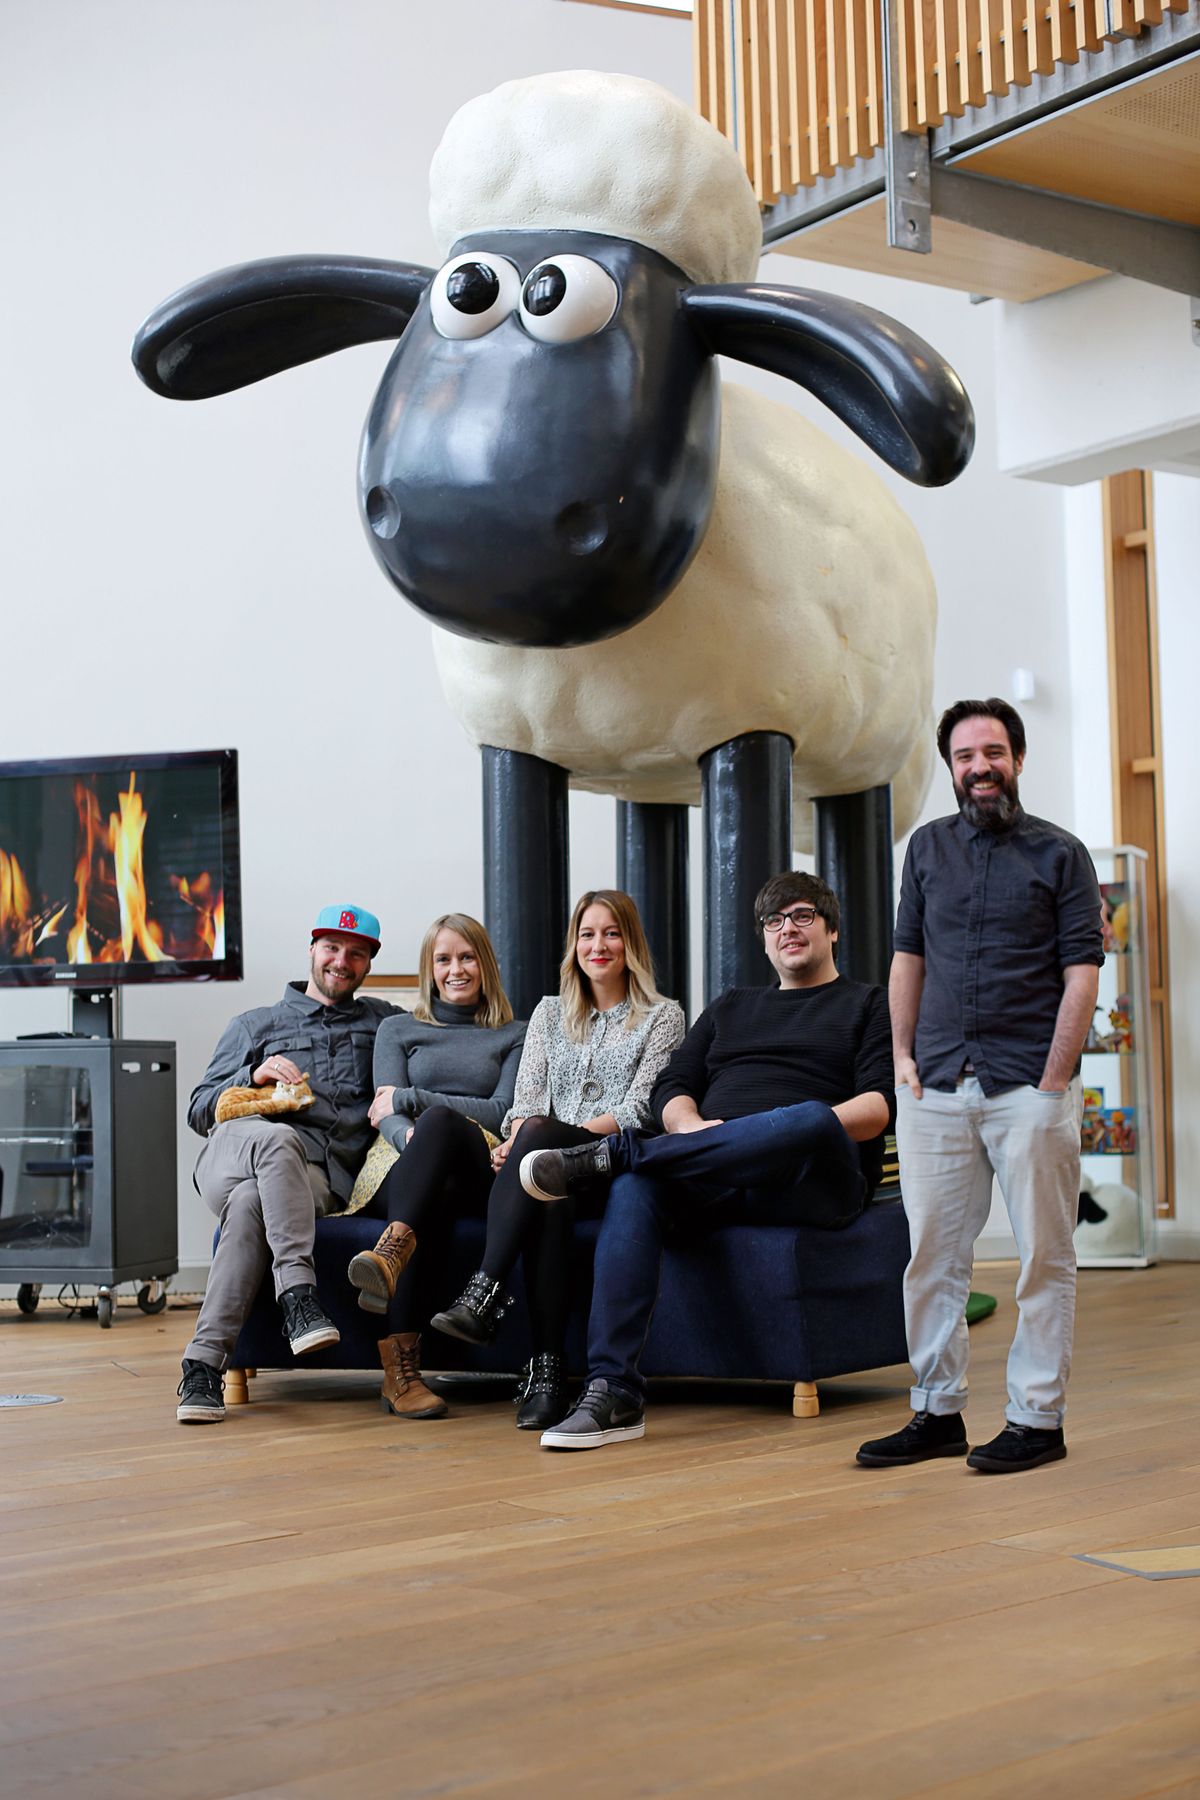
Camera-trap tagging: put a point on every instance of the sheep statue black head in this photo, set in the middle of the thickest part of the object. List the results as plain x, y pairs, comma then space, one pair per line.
539, 463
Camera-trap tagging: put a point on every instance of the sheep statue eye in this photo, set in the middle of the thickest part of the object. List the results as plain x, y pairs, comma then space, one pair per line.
471, 295
567, 297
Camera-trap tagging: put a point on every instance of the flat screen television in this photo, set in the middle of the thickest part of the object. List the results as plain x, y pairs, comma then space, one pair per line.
119, 869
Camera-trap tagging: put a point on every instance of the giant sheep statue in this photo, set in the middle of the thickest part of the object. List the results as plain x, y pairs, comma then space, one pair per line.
641, 580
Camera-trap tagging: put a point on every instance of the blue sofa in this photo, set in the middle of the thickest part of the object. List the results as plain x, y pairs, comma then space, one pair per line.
749, 1302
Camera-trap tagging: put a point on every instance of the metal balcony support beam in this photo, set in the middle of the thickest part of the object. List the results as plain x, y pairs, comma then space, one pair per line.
1058, 91
917, 177
832, 197
906, 157
1106, 237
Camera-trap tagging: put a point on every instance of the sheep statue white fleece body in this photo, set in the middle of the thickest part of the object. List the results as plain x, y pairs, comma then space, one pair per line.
809, 608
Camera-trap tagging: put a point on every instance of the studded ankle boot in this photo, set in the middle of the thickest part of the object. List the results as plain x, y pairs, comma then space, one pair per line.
403, 1392
476, 1314
541, 1398
375, 1272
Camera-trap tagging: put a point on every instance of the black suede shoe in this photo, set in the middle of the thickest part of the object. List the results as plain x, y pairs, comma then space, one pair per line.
925, 1436
304, 1323
201, 1400
476, 1314
1018, 1447
542, 1396
553, 1174
601, 1416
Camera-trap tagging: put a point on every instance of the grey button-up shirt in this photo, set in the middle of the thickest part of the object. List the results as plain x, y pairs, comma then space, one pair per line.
335, 1045
997, 917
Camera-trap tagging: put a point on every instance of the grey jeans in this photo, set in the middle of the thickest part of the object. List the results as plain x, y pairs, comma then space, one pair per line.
254, 1175
950, 1144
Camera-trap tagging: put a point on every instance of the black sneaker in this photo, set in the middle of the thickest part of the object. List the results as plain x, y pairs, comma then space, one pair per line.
1018, 1447
304, 1323
201, 1400
602, 1416
553, 1174
925, 1436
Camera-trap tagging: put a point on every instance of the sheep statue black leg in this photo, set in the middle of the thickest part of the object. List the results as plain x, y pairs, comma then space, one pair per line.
525, 871
746, 804
652, 866
852, 834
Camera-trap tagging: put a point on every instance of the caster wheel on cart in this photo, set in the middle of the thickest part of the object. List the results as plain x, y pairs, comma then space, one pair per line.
153, 1297
28, 1295
104, 1310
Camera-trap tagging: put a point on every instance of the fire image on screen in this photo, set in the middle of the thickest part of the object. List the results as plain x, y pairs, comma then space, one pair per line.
112, 866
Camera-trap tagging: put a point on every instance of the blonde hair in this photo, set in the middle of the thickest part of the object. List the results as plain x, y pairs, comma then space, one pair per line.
575, 990
492, 1008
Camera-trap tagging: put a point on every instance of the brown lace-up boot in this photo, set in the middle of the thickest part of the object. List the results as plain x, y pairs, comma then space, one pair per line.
403, 1391
375, 1272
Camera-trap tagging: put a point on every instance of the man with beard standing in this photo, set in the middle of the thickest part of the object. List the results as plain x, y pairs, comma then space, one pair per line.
992, 989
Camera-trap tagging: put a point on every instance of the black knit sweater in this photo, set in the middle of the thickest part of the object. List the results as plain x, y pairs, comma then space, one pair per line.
757, 1048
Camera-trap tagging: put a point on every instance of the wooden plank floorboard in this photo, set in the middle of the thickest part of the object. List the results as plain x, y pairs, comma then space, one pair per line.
313, 1598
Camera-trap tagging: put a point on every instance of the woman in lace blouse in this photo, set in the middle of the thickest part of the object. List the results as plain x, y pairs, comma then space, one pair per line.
592, 1053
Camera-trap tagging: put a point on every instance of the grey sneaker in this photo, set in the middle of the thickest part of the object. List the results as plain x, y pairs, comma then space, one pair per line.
601, 1416
304, 1322
201, 1398
553, 1174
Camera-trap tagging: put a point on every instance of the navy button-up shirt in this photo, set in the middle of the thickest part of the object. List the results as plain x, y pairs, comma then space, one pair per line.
997, 919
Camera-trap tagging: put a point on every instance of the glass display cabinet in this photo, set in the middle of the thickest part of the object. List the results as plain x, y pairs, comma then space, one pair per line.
87, 1167
1117, 1205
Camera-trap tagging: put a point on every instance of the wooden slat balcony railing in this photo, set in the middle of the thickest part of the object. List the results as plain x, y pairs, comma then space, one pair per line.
797, 85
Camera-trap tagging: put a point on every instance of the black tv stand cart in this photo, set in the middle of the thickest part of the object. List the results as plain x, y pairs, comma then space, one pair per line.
88, 1189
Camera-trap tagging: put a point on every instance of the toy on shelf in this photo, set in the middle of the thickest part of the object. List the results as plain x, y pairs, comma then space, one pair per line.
1109, 1132
1114, 915
1118, 1039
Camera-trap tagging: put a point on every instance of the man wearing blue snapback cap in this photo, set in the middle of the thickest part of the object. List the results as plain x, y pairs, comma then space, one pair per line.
269, 1179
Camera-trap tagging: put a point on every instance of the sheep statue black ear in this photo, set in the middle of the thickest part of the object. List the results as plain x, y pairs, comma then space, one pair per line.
883, 381
255, 319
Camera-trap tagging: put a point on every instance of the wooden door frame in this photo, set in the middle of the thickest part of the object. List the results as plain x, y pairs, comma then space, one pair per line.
1135, 721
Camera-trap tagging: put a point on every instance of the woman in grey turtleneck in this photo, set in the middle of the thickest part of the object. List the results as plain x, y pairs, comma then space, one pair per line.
445, 1075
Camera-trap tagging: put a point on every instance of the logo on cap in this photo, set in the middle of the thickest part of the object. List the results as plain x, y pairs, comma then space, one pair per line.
349, 921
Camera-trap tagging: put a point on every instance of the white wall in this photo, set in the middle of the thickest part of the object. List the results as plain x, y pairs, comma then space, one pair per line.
1097, 379
182, 576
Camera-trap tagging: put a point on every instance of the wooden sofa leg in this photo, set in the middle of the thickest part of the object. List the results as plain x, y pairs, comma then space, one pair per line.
805, 1401
236, 1391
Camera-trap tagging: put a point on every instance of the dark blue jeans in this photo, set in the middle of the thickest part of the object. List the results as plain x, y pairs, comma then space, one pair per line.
792, 1166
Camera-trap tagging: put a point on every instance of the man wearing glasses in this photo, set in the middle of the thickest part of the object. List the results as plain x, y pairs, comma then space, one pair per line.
773, 1110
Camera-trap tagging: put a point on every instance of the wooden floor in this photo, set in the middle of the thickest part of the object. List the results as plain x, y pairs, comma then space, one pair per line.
316, 1600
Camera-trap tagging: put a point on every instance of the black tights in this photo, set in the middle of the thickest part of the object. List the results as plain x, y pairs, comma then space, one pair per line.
444, 1174
544, 1232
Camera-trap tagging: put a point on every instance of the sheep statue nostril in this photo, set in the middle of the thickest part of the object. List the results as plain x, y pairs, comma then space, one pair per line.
383, 512
582, 527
